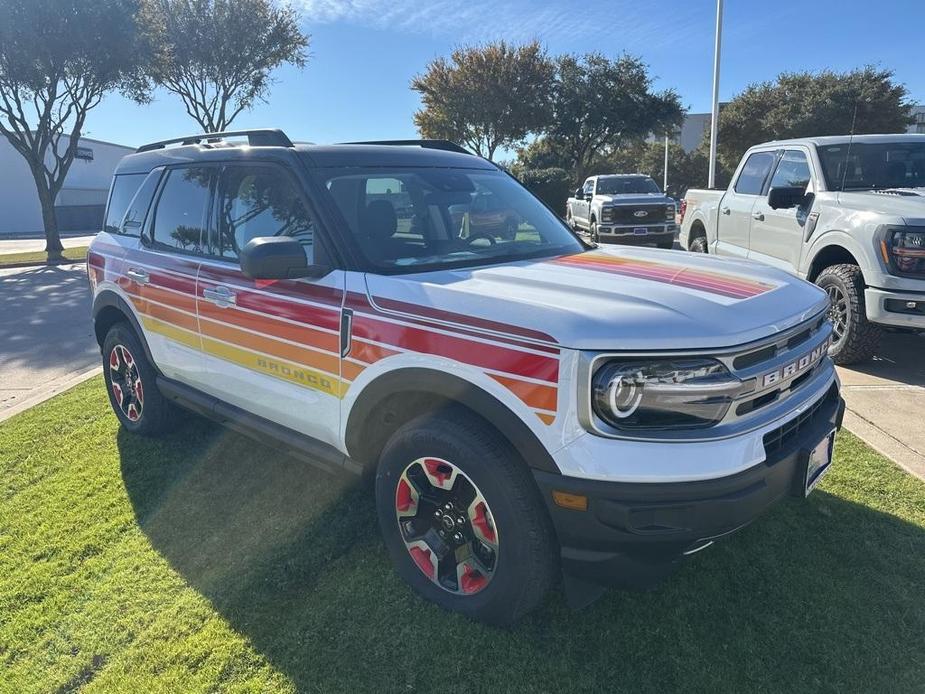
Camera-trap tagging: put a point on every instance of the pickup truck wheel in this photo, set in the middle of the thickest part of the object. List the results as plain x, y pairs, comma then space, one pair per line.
463, 520
854, 339
698, 244
593, 232
130, 382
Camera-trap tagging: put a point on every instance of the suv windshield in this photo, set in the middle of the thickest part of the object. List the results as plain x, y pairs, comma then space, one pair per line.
621, 185
428, 218
873, 165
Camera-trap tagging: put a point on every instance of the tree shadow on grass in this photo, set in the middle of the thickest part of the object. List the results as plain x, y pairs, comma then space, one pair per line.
818, 596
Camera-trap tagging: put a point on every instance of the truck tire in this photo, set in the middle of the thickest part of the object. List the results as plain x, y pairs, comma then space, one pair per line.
698, 244
132, 386
592, 232
666, 245
854, 338
569, 220
463, 520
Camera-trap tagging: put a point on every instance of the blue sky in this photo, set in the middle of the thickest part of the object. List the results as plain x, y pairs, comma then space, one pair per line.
364, 53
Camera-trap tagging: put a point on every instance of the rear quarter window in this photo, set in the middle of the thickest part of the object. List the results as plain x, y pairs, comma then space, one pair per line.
124, 187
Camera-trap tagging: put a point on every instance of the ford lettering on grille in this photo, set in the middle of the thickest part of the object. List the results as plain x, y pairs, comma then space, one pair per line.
796, 367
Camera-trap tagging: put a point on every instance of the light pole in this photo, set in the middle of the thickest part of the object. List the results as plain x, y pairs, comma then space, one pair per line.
665, 180
714, 120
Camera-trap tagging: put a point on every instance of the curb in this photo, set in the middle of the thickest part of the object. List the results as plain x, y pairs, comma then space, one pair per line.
908, 459
66, 261
48, 392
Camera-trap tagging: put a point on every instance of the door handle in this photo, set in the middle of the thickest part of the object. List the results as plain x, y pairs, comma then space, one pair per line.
758, 216
221, 296
725, 210
140, 276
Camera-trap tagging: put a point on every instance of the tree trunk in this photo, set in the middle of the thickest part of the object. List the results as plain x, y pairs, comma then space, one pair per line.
53, 245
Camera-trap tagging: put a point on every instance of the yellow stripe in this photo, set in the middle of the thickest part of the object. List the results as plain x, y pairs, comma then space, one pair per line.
278, 368
175, 333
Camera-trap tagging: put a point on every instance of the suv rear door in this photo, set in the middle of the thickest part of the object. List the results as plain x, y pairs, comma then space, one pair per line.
776, 236
272, 347
737, 205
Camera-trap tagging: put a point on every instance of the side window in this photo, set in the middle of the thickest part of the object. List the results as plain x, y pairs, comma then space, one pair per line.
124, 187
260, 201
138, 207
180, 215
792, 171
754, 173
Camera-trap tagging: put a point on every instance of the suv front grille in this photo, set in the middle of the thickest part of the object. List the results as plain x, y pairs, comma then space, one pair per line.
626, 214
782, 437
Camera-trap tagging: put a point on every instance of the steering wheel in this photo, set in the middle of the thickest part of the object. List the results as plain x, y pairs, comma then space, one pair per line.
481, 235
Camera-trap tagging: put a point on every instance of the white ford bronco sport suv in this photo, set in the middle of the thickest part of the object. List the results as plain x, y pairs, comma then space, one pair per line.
847, 213
531, 406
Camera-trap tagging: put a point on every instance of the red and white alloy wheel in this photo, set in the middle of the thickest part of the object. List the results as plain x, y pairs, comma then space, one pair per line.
125, 381
447, 526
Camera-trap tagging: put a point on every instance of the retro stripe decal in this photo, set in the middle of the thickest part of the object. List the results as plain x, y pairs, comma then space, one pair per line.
732, 286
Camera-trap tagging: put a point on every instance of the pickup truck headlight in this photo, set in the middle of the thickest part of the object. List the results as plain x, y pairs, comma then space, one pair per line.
660, 394
670, 212
903, 250
606, 214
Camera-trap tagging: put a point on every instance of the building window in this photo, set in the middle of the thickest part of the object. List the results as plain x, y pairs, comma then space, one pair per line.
85, 153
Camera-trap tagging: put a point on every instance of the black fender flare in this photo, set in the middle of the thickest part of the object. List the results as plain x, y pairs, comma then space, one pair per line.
450, 387
108, 299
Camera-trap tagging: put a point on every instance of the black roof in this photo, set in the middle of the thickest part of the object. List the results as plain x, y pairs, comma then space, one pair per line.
423, 153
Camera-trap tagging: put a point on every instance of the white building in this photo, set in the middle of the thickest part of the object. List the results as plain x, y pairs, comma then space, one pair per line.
81, 201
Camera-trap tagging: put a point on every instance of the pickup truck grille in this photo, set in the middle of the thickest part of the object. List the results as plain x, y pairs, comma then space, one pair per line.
626, 214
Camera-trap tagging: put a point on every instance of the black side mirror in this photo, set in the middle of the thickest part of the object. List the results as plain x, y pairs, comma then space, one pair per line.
786, 197
579, 193
277, 258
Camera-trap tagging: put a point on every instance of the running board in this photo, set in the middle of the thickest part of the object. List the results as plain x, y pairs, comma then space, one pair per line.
316, 453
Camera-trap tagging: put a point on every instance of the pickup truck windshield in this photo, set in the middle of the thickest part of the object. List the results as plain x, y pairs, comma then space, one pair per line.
432, 218
621, 185
871, 166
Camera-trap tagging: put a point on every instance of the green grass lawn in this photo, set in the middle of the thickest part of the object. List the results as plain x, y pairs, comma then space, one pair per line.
204, 562
75, 254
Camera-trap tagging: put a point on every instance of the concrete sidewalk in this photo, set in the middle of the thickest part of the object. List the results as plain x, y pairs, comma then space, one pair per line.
33, 245
886, 400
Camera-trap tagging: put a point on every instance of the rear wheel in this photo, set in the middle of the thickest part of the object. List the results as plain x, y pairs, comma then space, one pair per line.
463, 520
854, 338
698, 244
131, 384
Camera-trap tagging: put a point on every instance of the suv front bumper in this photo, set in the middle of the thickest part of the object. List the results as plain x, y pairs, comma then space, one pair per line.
633, 534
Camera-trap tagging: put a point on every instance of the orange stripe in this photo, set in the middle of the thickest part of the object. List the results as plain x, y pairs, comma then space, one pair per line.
266, 345
546, 418
185, 302
364, 351
540, 397
162, 313
268, 326
350, 371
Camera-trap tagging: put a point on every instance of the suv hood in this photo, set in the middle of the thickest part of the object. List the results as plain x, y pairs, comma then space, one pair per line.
635, 198
908, 203
612, 299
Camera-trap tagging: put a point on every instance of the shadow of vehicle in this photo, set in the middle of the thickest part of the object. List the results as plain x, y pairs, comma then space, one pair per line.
818, 596
898, 359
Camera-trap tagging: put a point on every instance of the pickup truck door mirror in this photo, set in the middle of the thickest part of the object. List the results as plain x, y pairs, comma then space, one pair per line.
579, 193
277, 258
786, 197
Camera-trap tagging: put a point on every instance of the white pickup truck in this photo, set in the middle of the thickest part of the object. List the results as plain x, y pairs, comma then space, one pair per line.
847, 213
623, 208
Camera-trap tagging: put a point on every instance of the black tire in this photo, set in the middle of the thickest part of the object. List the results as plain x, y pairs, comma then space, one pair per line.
698, 244
667, 245
592, 232
526, 563
140, 407
855, 339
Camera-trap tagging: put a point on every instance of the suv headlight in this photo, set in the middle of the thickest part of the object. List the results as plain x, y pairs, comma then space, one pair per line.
662, 394
903, 250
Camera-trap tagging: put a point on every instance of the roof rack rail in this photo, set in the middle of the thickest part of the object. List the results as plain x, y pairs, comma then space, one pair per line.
255, 138
445, 145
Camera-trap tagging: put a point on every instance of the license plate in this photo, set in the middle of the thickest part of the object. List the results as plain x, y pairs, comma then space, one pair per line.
640, 231
818, 463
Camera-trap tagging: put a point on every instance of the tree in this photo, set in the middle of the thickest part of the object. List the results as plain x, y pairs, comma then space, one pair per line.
218, 54
486, 97
599, 103
57, 60
803, 104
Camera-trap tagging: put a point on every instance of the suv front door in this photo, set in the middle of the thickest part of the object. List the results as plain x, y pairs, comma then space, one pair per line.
737, 205
272, 347
776, 236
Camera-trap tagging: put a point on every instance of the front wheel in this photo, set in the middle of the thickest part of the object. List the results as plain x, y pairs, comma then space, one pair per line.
667, 245
854, 339
462, 518
595, 238
130, 380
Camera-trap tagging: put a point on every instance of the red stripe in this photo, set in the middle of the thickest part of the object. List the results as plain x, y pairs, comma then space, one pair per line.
311, 315
288, 288
459, 349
